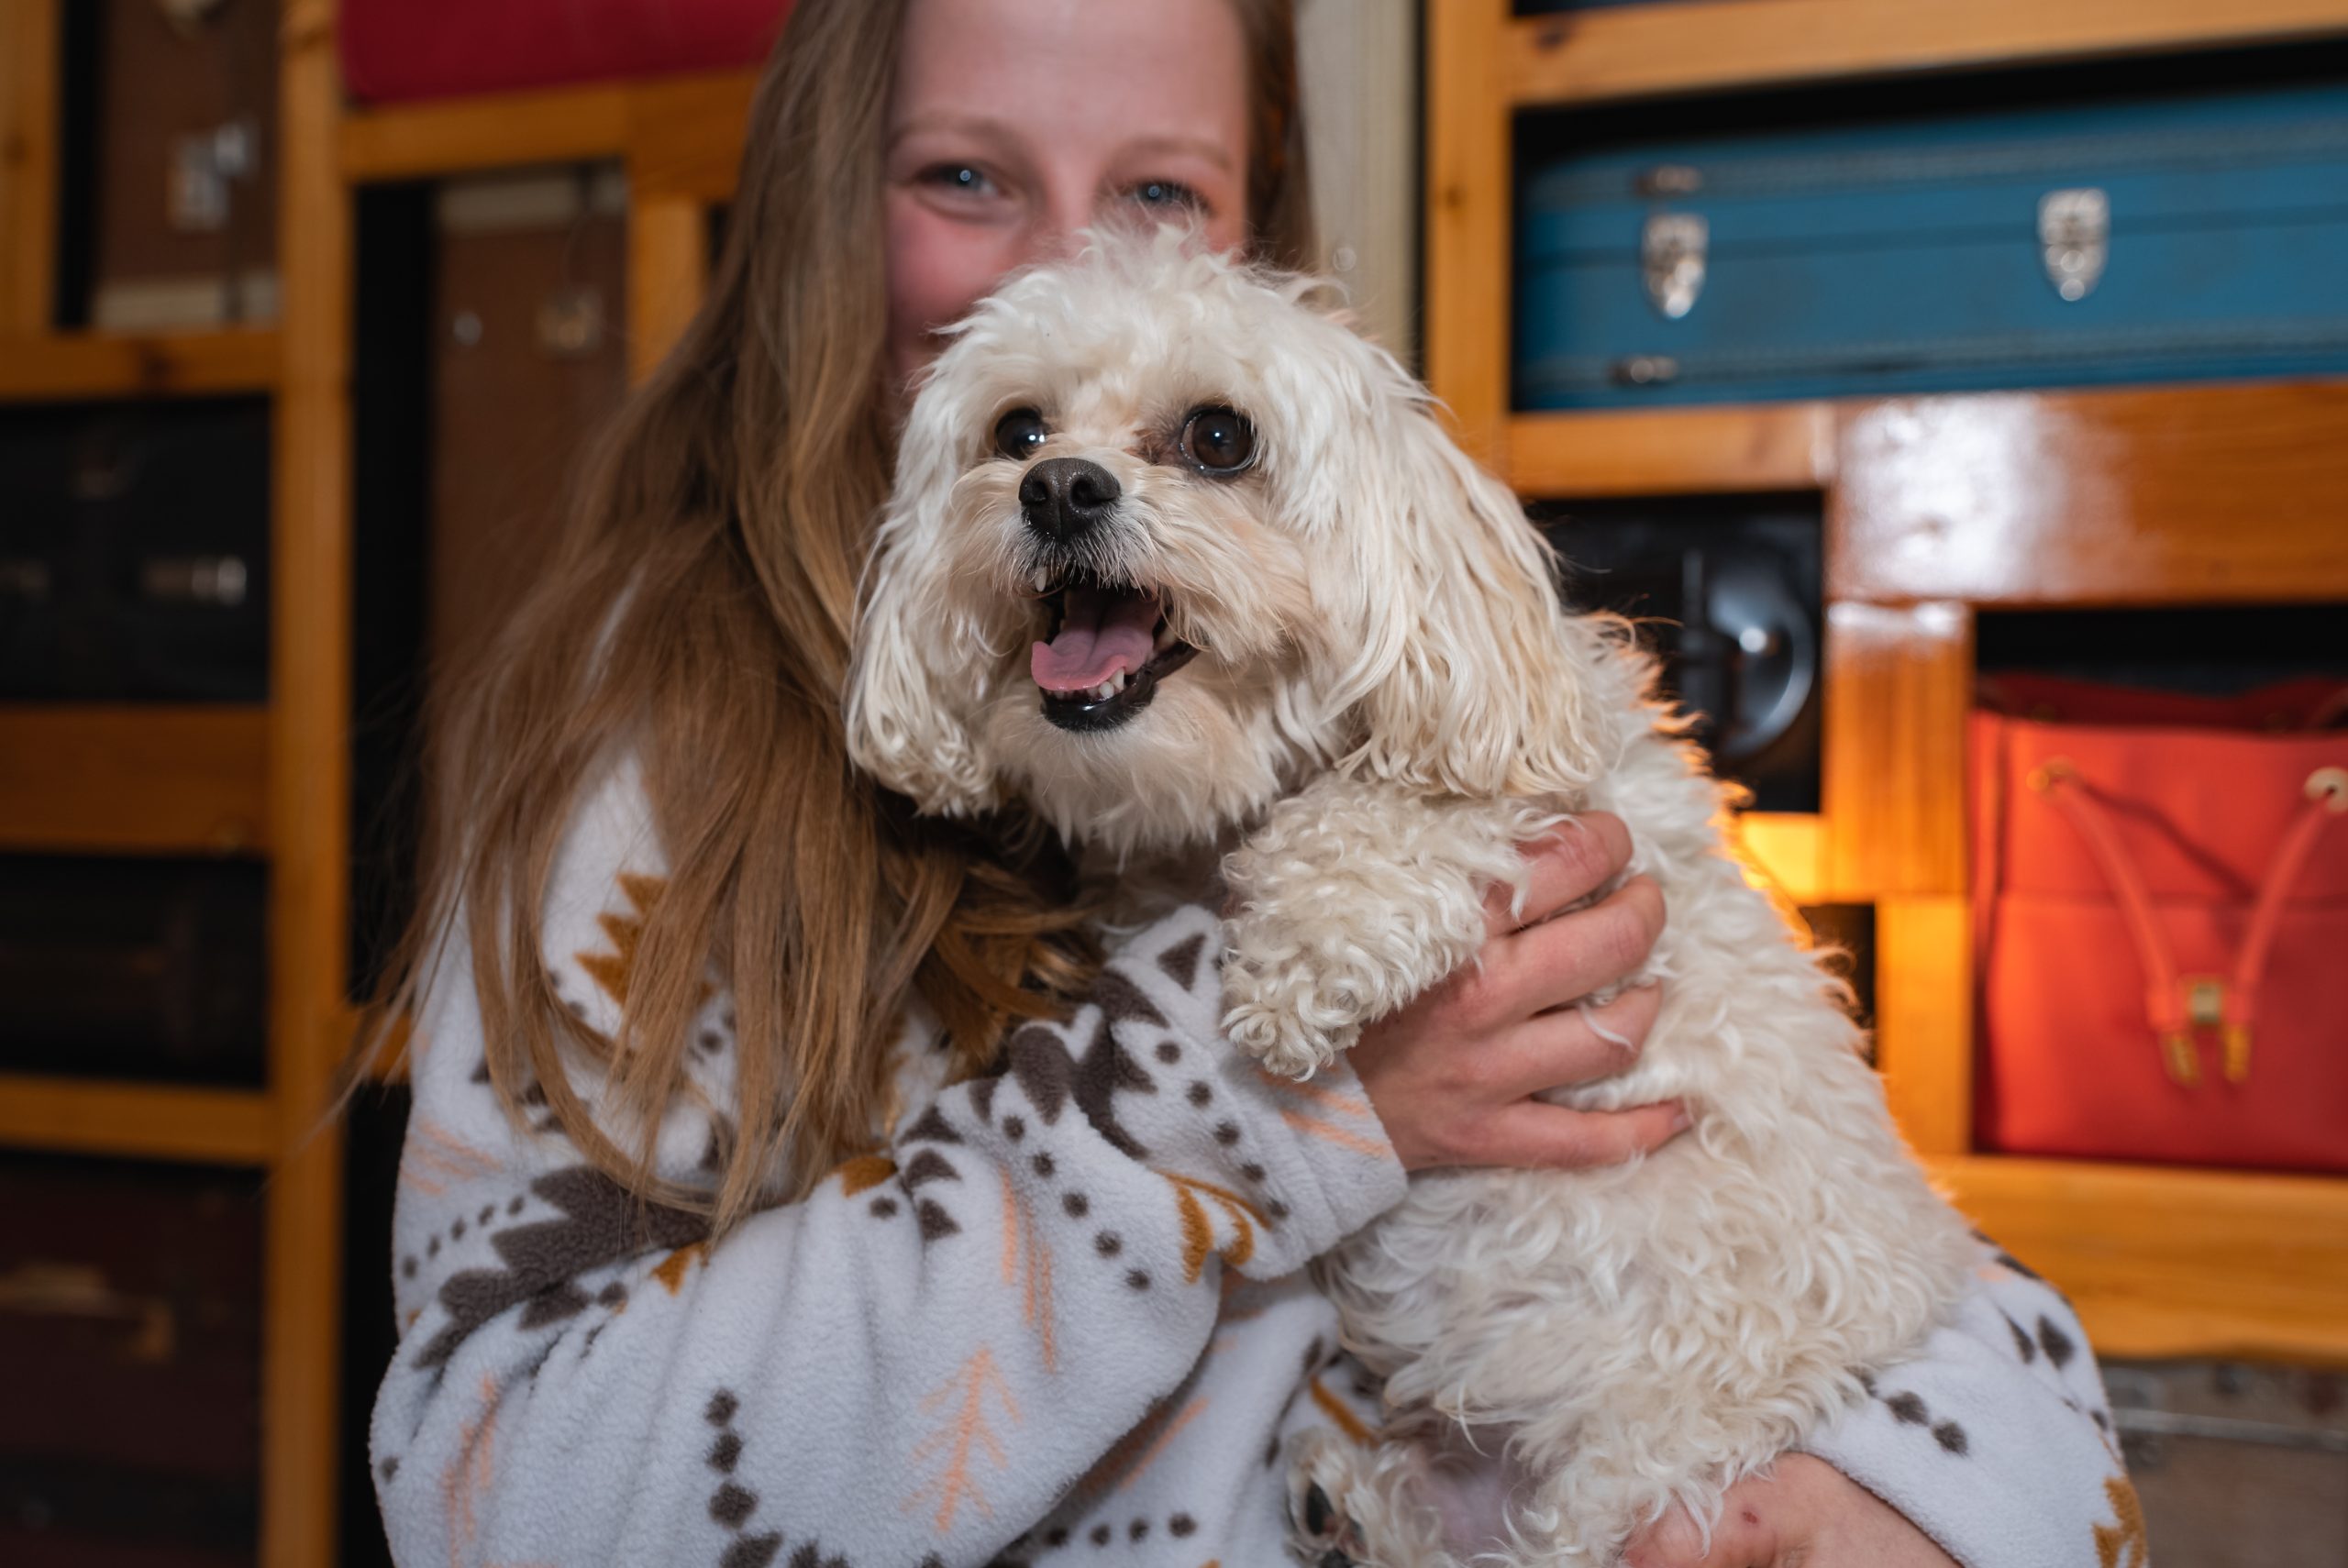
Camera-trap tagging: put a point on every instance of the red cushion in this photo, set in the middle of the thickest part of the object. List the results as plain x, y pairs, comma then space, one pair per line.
395, 49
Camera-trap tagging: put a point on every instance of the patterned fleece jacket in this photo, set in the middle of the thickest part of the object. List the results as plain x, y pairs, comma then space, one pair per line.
1058, 1318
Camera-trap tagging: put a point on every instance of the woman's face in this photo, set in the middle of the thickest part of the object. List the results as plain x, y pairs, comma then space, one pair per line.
1016, 123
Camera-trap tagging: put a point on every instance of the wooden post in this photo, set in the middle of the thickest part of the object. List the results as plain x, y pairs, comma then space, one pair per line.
309, 776
1923, 1020
1467, 221
30, 107
1898, 680
668, 272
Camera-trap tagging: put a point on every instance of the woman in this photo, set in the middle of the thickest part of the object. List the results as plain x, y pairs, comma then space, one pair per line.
696, 1259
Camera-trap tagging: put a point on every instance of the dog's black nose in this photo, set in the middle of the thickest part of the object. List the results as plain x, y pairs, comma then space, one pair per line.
1065, 498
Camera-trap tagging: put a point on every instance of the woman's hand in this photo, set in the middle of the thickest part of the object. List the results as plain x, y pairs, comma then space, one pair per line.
1805, 1512
1453, 1075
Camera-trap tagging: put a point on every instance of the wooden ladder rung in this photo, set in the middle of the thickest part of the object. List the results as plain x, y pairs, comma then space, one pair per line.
122, 778
166, 1121
1702, 46
65, 367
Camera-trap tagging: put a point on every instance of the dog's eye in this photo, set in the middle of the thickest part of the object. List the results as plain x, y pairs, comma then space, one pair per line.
1020, 434
1219, 440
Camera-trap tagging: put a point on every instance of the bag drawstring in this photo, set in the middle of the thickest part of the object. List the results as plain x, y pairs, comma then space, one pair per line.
2177, 1007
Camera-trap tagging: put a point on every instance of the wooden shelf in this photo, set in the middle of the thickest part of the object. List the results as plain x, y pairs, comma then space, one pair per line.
1672, 451
59, 367
686, 136
1785, 853
451, 136
681, 135
234, 1127
2165, 1262
133, 779
1701, 45
2211, 493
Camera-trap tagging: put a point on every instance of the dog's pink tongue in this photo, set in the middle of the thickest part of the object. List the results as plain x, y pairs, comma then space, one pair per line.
1102, 633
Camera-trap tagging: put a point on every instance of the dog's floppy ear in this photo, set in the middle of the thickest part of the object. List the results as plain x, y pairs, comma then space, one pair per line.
1472, 680
900, 729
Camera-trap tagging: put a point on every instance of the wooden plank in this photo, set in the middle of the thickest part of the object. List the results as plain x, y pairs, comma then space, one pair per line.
1709, 44
416, 141
1899, 682
309, 804
1923, 1019
136, 1121
1784, 852
28, 136
149, 780
389, 1066
1673, 451
1467, 221
2175, 1262
685, 136
2159, 496
668, 274
56, 367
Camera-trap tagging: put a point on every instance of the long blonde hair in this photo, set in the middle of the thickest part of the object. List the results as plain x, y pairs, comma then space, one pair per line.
699, 614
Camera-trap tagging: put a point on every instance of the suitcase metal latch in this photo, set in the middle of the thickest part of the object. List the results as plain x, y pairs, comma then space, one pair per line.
215, 581
2074, 234
1671, 258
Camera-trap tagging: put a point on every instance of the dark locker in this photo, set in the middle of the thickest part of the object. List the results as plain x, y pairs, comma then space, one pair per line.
133, 968
529, 359
131, 1300
183, 127
134, 552
184, 133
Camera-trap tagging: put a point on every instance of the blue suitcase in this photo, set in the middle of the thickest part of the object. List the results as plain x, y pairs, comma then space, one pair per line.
2177, 237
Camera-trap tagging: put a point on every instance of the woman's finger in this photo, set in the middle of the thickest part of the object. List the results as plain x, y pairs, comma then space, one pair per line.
1570, 1045
1532, 1135
1565, 960
1737, 1540
1562, 866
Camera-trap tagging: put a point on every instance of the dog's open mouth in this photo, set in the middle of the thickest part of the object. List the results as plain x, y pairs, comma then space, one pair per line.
1105, 647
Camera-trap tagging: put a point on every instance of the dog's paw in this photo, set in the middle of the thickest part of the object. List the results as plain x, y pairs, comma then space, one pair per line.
1274, 1037
1321, 1533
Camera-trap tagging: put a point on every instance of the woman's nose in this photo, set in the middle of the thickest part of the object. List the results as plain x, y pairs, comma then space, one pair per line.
1065, 211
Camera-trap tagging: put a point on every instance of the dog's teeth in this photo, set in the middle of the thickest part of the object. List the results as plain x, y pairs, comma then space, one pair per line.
1043, 581
1118, 681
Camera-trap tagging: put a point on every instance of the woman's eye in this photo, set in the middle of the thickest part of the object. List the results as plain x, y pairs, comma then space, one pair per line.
1020, 434
1167, 194
1219, 440
966, 178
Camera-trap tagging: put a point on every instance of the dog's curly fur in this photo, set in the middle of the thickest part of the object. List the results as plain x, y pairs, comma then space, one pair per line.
1388, 696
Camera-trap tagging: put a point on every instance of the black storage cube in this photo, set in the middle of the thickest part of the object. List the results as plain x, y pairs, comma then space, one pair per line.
134, 552
133, 968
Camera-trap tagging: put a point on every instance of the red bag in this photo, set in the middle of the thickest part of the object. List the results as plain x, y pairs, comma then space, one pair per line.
2161, 921
393, 50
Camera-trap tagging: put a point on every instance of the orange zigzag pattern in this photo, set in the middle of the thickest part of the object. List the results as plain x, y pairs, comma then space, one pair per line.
430, 1148
1198, 1230
467, 1477
2125, 1544
610, 971
964, 1433
1356, 1432
467, 1474
1027, 1262
1319, 1126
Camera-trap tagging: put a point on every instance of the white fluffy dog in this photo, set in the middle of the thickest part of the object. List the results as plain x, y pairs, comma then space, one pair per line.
1191, 567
